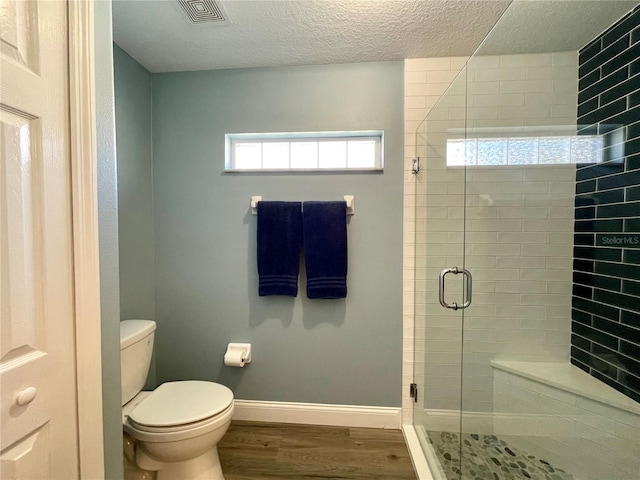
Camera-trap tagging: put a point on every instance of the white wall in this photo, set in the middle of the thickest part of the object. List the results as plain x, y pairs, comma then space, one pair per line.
591, 439
519, 225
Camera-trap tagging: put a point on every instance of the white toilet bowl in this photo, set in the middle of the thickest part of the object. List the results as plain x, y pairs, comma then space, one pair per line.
177, 428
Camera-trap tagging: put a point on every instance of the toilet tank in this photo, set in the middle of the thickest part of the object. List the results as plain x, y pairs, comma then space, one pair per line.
136, 347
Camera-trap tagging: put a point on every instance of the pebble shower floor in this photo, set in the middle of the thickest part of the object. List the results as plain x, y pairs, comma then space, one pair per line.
487, 457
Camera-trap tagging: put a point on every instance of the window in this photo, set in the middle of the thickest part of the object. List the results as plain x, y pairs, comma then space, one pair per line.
307, 151
525, 150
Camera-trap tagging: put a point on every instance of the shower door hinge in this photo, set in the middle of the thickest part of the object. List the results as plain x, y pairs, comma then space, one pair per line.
415, 166
413, 392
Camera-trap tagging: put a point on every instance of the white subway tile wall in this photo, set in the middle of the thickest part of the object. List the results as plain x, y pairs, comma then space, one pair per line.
588, 438
519, 225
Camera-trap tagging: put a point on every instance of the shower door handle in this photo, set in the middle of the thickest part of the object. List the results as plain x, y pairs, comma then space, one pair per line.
467, 288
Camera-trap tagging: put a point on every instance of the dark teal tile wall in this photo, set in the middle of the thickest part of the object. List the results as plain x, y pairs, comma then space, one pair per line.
605, 332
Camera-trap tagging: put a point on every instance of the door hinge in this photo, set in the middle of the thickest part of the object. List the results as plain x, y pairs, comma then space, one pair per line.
413, 392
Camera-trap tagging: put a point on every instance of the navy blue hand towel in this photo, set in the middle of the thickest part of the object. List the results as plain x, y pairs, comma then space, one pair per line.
325, 249
279, 242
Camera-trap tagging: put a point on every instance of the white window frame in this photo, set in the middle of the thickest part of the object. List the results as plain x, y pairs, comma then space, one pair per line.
231, 139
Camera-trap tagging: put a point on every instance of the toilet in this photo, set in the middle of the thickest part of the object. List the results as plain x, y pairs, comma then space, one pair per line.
175, 428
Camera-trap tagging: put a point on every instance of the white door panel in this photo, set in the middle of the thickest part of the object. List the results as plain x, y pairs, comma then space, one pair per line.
19, 32
37, 351
28, 458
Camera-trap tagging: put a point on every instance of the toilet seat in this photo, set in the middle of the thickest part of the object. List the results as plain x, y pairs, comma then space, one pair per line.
179, 432
176, 406
189, 427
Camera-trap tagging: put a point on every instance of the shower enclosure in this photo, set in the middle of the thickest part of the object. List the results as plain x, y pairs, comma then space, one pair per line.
527, 259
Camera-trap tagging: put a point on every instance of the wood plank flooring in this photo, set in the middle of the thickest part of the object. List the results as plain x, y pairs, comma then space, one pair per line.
256, 450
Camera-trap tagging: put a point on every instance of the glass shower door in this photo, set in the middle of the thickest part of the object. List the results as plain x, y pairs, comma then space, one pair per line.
442, 287
528, 381
533, 215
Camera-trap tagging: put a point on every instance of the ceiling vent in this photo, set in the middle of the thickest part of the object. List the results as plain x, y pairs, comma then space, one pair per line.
203, 12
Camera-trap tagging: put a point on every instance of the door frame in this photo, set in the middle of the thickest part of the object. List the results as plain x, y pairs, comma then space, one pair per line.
84, 193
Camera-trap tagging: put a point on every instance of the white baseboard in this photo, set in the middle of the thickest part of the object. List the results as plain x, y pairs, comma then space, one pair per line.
318, 414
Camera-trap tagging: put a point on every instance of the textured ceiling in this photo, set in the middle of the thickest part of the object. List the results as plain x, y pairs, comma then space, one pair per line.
553, 25
307, 32
302, 32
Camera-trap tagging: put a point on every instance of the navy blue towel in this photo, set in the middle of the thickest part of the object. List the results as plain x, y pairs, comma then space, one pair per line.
279, 242
325, 249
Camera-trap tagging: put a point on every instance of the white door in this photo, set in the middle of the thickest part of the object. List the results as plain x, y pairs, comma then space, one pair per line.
39, 437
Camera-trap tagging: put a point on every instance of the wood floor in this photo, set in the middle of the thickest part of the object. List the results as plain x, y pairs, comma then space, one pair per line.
253, 451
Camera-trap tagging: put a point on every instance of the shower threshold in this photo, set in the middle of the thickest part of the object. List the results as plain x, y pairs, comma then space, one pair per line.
487, 457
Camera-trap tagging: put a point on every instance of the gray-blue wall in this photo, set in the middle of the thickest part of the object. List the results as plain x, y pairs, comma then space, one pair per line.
325, 351
135, 195
108, 238
135, 191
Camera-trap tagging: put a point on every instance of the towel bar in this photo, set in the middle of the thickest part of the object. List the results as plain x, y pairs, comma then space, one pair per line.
350, 199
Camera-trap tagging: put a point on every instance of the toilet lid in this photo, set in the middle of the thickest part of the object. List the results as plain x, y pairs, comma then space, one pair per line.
179, 403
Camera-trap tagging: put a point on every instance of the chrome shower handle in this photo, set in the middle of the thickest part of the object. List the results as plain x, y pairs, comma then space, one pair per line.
468, 287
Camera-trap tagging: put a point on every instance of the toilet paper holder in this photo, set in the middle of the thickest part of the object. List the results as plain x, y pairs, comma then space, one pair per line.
243, 349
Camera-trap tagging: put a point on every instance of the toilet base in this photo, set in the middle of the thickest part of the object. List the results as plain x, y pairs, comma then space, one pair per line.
131, 470
205, 467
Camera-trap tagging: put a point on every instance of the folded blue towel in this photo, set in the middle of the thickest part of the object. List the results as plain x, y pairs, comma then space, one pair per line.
325, 249
279, 242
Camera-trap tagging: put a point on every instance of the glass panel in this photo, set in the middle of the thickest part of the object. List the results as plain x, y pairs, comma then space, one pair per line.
361, 154
543, 150
492, 152
555, 150
304, 154
523, 415
523, 384
456, 155
470, 152
586, 150
523, 151
275, 155
332, 154
248, 155
309, 150
439, 236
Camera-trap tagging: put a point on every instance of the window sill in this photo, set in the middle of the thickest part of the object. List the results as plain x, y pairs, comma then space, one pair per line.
312, 171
